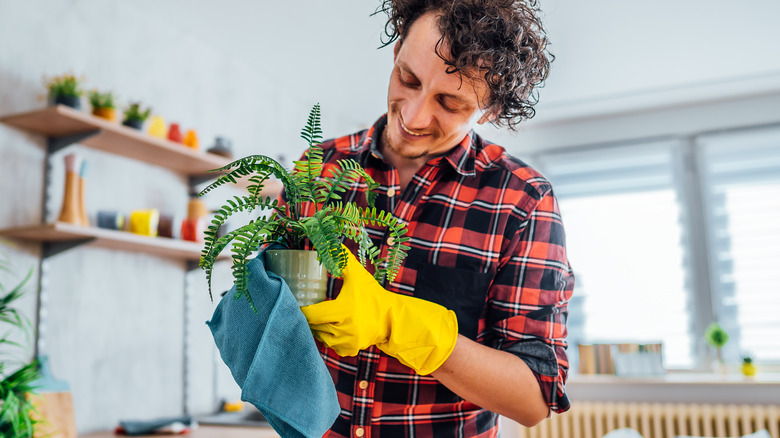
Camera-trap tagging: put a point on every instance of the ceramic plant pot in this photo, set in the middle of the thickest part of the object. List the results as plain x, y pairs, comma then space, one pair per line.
134, 123
106, 113
71, 101
301, 270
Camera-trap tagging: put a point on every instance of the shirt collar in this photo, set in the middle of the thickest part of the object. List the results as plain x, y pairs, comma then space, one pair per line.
461, 157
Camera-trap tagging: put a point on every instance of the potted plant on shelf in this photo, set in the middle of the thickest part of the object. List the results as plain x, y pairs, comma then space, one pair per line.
65, 89
310, 242
18, 414
103, 104
134, 116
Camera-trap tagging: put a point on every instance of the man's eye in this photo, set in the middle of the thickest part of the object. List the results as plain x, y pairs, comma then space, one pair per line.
449, 107
409, 83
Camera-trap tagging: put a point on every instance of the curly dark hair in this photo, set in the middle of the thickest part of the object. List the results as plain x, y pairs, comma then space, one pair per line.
502, 40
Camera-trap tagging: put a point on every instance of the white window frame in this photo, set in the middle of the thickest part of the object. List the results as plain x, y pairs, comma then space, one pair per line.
689, 181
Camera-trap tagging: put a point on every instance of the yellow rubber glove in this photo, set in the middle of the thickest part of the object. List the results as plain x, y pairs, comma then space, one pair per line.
420, 334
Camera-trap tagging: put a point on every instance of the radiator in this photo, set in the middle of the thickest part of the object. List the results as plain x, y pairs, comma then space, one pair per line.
658, 420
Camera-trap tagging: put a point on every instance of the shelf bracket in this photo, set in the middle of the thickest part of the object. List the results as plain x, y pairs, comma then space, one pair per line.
57, 143
192, 265
195, 180
54, 248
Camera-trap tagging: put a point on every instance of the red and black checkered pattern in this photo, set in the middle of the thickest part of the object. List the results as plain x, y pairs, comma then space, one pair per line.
487, 242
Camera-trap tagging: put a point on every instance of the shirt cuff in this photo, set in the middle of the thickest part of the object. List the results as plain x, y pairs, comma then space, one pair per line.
539, 357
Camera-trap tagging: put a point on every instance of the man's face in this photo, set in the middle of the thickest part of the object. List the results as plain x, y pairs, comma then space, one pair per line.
429, 110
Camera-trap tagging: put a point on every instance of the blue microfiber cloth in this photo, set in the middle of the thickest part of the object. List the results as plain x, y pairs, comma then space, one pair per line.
273, 357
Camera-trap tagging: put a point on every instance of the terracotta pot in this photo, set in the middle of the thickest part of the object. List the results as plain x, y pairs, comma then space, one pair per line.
300, 269
106, 113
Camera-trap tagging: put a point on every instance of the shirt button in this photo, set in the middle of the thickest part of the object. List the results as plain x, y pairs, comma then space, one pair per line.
390, 241
359, 432
390, 192
363, 384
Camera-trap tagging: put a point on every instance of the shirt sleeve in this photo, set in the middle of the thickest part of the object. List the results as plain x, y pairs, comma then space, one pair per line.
529, 298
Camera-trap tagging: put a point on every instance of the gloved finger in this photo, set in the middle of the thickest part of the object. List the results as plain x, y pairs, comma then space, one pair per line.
354, 270
325, 328
331, 311
353, 265
338, 344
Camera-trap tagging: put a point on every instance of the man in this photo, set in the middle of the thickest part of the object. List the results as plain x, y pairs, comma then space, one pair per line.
474, 323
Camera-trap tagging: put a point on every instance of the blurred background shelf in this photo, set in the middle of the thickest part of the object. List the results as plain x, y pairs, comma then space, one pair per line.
62, 121
64, 125
60, 233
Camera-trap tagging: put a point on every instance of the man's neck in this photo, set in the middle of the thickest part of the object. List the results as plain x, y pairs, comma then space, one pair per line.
406, 167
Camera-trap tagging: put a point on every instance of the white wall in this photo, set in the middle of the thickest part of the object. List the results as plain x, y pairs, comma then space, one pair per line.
115, 319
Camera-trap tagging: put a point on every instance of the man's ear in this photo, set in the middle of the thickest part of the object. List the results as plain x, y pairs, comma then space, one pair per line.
489, 116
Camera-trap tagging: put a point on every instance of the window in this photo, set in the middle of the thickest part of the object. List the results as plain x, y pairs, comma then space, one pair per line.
621, 210
666, 237
740, 172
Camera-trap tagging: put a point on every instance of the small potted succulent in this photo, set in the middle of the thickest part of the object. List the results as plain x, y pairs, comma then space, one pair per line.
748, 368
65, 89
717, 337
18, 414
135, 117
310, 242
103, 104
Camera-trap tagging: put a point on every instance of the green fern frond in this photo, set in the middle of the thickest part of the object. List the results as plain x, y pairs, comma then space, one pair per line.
260, 165
246, 241
322, 229
235, 205
312, 132
215, 246
332, 218
388, 266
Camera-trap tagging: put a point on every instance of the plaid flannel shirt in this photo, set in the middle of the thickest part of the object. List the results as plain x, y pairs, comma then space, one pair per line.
486, 242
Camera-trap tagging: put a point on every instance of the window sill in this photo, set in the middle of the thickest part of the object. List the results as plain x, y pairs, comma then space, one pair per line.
680, 378
678, 387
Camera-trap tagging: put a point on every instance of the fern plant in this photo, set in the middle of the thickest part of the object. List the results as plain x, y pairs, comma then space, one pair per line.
285, 224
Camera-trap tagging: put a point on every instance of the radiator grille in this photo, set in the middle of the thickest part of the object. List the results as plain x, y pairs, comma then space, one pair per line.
659, 420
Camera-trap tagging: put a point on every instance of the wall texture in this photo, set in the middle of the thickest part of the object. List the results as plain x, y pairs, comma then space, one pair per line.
115, 321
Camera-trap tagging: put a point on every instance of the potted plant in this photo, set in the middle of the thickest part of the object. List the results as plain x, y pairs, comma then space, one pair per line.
309, 241
134, 116
65, 89
748, 367
717, 337
103, 104
18, 414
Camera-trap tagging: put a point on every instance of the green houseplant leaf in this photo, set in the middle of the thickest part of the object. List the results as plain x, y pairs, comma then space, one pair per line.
284, 224
17, 412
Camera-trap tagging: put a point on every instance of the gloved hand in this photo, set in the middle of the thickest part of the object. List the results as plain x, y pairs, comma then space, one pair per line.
420, 334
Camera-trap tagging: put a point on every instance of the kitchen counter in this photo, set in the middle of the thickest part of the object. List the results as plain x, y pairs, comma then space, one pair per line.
206, 432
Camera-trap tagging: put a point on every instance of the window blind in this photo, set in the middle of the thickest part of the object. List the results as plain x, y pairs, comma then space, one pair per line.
621, 211
741, 174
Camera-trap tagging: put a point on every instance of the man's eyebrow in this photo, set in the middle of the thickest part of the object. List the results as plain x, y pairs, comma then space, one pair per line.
407, 70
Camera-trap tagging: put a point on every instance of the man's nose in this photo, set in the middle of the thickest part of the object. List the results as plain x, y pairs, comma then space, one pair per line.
417, 113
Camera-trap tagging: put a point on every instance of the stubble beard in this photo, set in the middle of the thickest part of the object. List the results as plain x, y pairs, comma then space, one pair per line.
397, 150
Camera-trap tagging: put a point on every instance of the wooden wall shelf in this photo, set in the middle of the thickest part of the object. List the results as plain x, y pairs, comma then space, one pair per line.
59, 232
63, 125
61, 121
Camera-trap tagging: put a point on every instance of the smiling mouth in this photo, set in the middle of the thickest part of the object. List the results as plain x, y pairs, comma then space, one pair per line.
408, 131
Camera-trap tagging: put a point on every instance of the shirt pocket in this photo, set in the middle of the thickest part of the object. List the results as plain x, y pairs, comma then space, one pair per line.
459, 290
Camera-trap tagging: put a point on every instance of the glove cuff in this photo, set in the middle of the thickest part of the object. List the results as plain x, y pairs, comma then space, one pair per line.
427, 358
